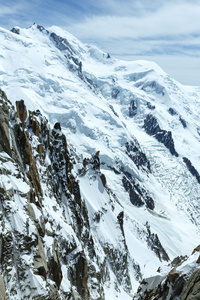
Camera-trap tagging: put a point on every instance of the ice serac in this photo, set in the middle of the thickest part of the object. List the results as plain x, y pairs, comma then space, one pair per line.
99, 171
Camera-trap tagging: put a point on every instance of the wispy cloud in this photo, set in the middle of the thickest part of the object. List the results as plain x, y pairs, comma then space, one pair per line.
168, 20
160, 32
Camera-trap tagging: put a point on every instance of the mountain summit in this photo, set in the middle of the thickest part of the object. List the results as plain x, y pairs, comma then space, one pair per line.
99, 171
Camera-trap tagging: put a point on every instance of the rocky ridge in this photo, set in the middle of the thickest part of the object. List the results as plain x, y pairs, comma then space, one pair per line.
47, 247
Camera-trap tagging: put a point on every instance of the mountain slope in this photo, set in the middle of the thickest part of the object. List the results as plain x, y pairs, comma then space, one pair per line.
116, 185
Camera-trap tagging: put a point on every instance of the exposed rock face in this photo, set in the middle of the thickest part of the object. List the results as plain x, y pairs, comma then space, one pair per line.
15, 30
132, 109
182, 282
4, 126
40, 263
191, 168
79, 276
24, 145
152, 127
172, 111
61, 43
134, 151
55, 269
154, 243
21, 111
138, 195
150, 106
183, 122
191, 290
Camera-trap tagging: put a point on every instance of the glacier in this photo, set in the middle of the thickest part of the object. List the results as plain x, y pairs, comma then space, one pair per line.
99, 168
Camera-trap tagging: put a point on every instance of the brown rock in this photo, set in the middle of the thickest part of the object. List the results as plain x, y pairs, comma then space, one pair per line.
197, 249
103, 179
40, 263
35, 127
40, 148
34, 122
54, 265
192, 288
4, 131
35, 179
21, 111
24, 144
79, 277
172, 276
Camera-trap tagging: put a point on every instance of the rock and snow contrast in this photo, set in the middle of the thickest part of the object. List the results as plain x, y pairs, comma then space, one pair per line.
99, 173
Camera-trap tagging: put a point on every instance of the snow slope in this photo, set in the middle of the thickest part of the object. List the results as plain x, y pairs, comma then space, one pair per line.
102, 104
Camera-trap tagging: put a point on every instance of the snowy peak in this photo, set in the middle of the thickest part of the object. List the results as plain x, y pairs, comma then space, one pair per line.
99, 167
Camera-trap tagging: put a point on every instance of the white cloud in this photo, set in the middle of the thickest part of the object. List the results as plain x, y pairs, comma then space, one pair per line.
6, 10
169, 20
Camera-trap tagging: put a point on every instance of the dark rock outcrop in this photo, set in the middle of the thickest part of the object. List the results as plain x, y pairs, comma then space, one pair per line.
103, 179
132, 109
152, 127
4, 130
183, 122
54, 265
138, 195
136, 154
150, 106
155, 245
21, 111
79, 277
172, 111
119, 262
115, 93
191, 168
15, 30
23, 144
61, 43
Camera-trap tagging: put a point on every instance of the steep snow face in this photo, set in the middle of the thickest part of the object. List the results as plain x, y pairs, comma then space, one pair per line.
146, 127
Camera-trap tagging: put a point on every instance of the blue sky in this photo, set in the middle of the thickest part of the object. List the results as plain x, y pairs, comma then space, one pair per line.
167, 32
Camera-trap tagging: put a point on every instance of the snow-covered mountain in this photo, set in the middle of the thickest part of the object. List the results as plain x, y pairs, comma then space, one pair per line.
99, 169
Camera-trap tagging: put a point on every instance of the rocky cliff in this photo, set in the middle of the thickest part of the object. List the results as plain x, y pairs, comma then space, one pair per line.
47, 247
